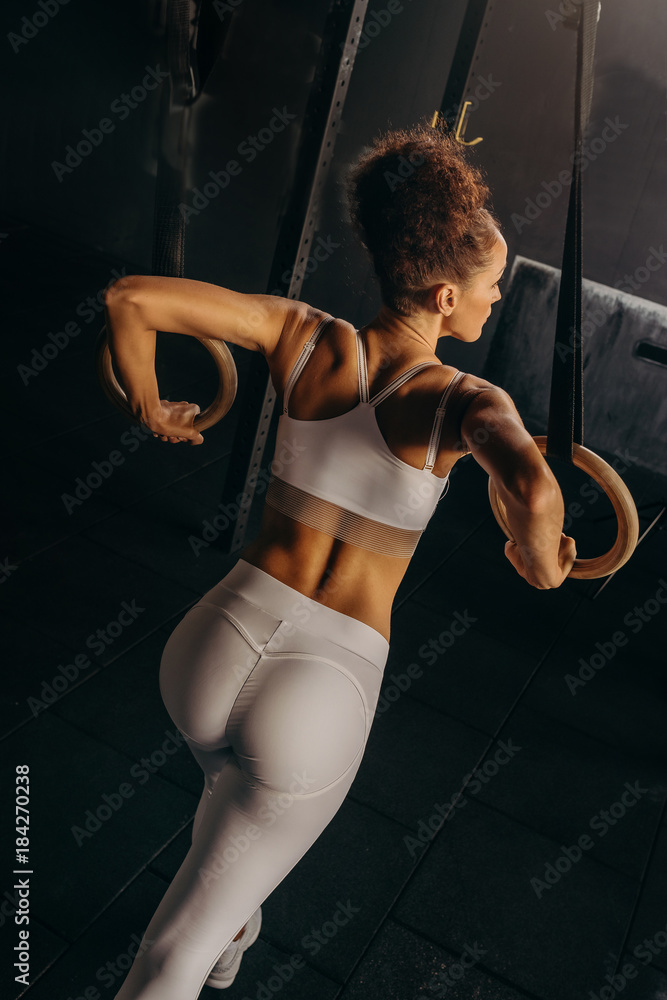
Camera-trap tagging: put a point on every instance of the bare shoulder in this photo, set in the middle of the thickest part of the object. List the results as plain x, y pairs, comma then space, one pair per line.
470, 383
472, 398
301, 320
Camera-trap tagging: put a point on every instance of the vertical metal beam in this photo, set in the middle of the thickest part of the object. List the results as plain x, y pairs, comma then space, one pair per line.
299, 225
186, 79
473, 22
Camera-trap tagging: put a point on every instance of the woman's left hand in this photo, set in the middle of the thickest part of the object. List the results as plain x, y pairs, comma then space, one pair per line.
174, 422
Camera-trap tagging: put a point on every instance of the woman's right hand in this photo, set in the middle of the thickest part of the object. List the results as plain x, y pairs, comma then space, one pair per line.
541, 579
174, 422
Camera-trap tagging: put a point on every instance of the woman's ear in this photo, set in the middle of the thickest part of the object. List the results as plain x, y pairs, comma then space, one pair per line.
445, 298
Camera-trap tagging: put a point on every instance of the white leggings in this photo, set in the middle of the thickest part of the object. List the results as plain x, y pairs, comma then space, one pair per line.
274, 693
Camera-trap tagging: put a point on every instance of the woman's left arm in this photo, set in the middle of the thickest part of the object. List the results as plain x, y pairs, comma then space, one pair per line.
136, 306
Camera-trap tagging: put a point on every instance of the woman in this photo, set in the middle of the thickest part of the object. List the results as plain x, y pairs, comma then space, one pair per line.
273, 676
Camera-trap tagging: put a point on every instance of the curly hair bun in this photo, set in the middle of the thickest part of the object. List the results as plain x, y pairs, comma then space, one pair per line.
420, 210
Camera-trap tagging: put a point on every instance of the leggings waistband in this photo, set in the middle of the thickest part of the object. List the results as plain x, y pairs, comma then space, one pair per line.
271, 595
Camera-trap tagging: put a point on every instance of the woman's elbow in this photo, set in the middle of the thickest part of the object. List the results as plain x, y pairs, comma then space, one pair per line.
123, 290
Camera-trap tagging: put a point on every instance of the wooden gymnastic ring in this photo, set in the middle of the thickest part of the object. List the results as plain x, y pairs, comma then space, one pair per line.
224, 398
621, 500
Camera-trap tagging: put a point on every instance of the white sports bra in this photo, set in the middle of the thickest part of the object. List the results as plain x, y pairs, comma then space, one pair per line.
339, 476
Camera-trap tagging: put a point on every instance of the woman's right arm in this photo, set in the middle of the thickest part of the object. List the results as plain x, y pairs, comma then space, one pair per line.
136, 306
498, 440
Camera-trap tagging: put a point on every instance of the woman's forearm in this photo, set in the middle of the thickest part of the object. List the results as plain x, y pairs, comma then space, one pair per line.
132, 349
537, 532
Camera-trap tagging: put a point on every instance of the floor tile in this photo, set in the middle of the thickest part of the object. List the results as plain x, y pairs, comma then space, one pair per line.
120, 461
95, 819
122, 707
632, 609
267, 971
415, 757
329, 905
643, 981
170, 534
45, 947
82, 589
619, 713
100, 957
472, 676
35, 662
166, 862
504, 604
565, 784
648, 934
402, 965
204, 485
33, 502
484, 864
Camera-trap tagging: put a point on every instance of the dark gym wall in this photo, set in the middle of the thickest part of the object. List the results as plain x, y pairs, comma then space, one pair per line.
399, 78
94, 55
527, 130
64, 77
521, 83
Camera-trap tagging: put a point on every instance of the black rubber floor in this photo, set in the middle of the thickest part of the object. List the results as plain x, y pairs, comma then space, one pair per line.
546, 880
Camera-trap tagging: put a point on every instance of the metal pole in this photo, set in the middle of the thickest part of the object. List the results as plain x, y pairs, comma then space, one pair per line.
299, 225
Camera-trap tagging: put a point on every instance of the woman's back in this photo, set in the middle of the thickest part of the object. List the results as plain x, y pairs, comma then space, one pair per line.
361, 460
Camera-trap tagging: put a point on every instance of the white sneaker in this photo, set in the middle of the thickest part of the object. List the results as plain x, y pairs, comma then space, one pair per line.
224, 971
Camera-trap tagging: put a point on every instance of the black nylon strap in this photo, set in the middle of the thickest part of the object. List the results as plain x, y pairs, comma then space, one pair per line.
566, 403
168, 224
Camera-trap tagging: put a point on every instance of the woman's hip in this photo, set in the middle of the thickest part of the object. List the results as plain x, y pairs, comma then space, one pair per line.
253, 649
278, 599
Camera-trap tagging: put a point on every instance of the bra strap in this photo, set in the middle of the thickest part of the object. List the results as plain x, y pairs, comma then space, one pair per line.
301, 361
362, 369
400, 380
434, 442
